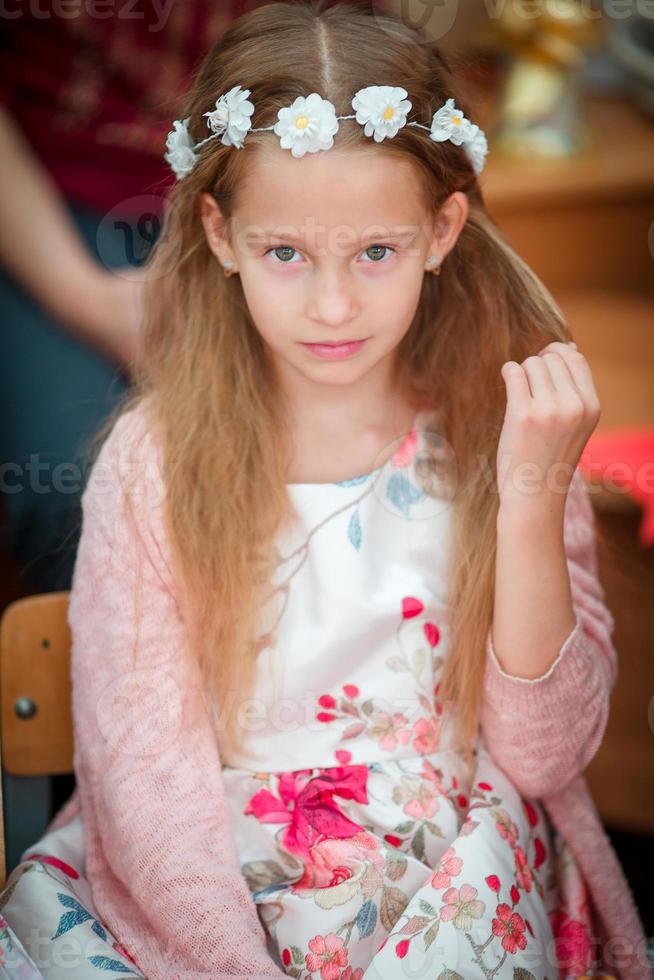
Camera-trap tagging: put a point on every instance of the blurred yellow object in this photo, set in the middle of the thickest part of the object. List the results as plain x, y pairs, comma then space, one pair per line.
540, 113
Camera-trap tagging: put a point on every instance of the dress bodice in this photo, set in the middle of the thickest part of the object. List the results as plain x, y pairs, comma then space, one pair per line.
356, 620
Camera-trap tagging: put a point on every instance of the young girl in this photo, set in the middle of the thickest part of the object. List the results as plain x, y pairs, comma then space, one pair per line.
340, 651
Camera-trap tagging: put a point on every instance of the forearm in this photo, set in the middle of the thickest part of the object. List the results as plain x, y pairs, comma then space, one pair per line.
39, 243
533, 611
545, 729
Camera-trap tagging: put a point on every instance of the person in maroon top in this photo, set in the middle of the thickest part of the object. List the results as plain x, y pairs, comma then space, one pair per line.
88, 93
87, 96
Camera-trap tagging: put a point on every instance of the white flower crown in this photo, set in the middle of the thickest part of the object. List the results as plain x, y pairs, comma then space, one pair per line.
310, 123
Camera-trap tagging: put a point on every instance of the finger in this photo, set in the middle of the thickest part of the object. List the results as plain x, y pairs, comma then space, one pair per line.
538, 375
561, 374
517, 386
579, 369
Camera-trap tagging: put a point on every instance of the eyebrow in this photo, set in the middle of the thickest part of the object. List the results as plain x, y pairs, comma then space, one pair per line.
403, 238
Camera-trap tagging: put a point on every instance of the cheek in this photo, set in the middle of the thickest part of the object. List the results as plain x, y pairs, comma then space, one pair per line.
271, 315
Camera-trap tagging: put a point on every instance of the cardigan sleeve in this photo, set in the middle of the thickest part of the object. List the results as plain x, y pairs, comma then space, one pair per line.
160, 858
544, 731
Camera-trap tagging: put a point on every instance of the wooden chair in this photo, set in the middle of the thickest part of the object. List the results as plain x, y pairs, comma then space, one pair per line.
36, 724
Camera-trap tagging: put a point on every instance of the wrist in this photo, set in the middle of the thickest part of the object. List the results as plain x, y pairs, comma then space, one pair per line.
542, 509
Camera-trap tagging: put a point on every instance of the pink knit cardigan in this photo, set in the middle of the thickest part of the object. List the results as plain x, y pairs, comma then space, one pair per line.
161, 862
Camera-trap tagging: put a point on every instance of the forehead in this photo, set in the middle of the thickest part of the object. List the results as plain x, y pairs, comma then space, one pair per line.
365, 191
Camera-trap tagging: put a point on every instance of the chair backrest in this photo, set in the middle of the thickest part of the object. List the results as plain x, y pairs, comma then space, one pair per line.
36, 724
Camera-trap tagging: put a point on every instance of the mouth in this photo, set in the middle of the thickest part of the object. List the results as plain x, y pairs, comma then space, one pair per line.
332, 343
331, 350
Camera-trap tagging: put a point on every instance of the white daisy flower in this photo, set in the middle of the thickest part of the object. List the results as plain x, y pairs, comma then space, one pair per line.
307, 126
179, 146
381, 109
231, 117
476, 147
449, 123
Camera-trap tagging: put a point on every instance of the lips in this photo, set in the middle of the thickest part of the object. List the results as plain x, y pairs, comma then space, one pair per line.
331, 343
335, 351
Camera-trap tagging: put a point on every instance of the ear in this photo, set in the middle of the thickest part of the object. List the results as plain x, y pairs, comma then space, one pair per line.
448, 224
215, 228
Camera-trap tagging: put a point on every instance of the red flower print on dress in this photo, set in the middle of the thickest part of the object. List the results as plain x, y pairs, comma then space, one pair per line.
328, 954
573, 948
411, 607
530, 810
307, 805
510, 927
448, 867
123, 952
432, 634
351, 974
539, 852
523, 873
402, 948
54, 861
461, 906
493, 883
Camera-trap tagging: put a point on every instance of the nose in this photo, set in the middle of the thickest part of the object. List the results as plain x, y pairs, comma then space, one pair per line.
333, 301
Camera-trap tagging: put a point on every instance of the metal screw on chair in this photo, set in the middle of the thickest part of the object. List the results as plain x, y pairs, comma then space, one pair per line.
25, 708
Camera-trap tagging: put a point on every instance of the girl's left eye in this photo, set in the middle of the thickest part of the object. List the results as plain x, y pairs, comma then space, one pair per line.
289, 248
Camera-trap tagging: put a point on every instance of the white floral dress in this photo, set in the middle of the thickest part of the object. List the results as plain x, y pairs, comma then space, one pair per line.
369, 852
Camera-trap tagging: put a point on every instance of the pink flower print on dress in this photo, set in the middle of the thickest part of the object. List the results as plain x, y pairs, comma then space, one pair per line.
461, 906
429, 772
426, 735
390, 729
448, 867
422, 797
332, 863
327, 955
506, 827
523, 873
404, 455
307, 805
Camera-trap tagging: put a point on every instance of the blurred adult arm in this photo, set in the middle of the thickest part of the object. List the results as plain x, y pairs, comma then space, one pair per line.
41, 247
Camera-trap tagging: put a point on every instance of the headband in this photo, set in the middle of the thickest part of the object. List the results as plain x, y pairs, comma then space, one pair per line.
310, 123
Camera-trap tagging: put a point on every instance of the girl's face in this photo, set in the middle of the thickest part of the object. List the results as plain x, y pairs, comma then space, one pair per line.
332, 247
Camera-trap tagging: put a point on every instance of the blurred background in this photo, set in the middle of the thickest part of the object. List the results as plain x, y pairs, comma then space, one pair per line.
565, 92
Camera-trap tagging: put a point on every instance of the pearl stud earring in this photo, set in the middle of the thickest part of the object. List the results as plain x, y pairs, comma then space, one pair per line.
432, 259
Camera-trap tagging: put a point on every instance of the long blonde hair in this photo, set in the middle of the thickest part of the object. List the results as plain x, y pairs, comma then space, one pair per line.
214, 399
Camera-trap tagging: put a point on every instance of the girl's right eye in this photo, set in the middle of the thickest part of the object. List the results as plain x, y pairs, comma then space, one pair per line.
282, 248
